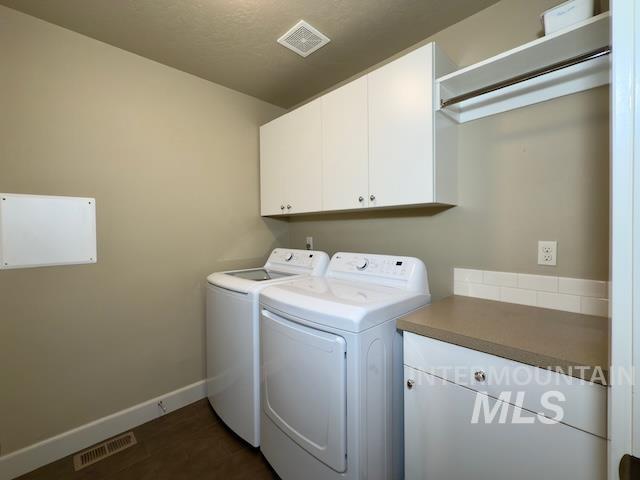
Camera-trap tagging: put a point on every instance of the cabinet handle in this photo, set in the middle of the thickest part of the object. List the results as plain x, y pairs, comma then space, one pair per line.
361, 198
410, 384
281, 207
288, 207
480, 376
372, 197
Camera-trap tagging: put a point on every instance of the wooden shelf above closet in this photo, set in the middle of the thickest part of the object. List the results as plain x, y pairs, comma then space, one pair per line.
584, 46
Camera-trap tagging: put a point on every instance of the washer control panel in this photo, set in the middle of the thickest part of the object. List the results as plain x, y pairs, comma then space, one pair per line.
298, 259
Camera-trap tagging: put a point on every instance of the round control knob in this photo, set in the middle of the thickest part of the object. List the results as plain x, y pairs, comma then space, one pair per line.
372, 197
361, 198
288, 207
281, 207
362, 264
480, 376
410, 384
288, 256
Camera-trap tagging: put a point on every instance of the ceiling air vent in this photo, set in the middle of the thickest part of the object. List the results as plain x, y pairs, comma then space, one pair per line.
303, 39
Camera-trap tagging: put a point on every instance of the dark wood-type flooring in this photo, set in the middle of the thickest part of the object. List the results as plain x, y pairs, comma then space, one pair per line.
189, 444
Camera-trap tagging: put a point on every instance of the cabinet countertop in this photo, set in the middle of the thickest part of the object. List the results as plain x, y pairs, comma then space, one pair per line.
572, 343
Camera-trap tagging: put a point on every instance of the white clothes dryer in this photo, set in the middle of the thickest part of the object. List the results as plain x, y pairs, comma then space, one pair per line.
331, 368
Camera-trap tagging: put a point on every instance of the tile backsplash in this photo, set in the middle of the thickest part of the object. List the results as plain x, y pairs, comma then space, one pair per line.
546, 291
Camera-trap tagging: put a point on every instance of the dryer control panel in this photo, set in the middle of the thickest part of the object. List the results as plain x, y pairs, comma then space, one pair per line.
401, 272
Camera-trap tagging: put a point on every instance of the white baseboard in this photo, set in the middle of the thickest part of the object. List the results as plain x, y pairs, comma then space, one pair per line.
27, 459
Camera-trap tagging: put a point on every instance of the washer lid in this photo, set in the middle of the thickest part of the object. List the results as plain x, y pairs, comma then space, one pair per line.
283, 264
245, 281
346, 305
259, 274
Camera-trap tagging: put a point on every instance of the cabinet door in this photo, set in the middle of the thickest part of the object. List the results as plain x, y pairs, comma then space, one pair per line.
273, 138
442, 443
291, 162
401, 130
345, 158
302, 172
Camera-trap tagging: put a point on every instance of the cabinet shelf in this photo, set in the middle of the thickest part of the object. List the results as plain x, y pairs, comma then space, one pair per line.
592, 35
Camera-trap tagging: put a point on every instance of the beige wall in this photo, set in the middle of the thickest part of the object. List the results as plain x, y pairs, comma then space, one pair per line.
537, 173
173, 163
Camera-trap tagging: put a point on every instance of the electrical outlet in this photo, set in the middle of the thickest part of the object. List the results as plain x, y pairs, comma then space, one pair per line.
309, 243
547, 252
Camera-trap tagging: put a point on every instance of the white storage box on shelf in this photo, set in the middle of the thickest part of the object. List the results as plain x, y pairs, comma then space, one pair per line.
566, 14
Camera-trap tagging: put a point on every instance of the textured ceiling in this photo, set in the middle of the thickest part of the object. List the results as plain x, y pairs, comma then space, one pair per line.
233, 42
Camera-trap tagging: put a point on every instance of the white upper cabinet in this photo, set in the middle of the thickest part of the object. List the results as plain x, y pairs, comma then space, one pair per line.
303, 172
291, 162
345, 160
272, 148
375, 142
402, 125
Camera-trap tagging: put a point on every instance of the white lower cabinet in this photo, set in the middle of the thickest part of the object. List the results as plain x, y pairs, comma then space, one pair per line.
443, 442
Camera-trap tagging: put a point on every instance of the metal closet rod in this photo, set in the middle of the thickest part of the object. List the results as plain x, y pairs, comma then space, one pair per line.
528, 76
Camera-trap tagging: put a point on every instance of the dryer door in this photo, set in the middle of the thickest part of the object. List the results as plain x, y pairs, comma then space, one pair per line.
304, 389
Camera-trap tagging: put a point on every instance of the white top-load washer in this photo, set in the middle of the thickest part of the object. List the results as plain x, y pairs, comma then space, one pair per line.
233, 358
331, 368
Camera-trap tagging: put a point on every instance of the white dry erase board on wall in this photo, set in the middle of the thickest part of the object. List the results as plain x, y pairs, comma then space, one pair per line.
40, 231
